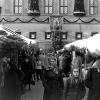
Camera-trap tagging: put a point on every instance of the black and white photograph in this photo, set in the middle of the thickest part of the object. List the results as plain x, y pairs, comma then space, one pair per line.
49, 50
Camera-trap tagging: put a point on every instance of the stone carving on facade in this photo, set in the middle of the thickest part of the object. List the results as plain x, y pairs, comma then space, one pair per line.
56, 23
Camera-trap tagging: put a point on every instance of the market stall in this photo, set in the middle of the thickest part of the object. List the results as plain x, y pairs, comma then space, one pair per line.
91, 44
89, 49
12, 44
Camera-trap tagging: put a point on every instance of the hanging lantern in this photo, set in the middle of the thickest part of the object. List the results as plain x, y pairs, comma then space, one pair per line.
79, 8
33, 8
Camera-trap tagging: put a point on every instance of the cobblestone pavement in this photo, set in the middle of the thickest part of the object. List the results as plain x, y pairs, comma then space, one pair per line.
36, 93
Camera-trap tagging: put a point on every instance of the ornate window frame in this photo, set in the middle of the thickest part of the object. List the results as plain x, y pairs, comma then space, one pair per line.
18, 32
78, 35
32, 35
64, 35
63, 6
93, 7
18, 6
48, 35
48, 4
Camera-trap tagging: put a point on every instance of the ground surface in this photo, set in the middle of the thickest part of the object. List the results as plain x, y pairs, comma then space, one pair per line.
36, 93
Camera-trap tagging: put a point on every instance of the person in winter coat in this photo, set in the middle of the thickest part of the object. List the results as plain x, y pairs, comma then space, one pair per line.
66, 64
11, 89
39, 70
93, 81
27, 68
53, 83
44, 60
74, 86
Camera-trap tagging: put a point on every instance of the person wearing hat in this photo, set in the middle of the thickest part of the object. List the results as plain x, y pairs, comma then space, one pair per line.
93, 81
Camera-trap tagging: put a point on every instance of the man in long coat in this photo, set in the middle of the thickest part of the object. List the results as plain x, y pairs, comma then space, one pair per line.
53, 84
12, 84
93, 81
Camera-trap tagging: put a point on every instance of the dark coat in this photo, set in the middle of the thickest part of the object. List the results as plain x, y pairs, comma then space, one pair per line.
27, 68
74, 90
93, 83
66, 62
12, 86
53, 85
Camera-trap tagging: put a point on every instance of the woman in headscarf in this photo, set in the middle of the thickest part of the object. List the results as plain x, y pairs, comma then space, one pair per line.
93, 81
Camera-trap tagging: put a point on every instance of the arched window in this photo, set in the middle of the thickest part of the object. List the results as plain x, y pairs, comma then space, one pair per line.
48, 6
79, 9
93, 7
33, 7
63, 6
18, 6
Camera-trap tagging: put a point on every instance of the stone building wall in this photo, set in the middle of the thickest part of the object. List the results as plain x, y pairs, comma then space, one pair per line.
84, 24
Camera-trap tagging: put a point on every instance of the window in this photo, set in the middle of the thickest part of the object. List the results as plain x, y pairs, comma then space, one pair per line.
32, 35
19, 33
63, 6
0, 9
94, 33
78, 35
18, 6
64, 35
47, 35
93, 7
48, 6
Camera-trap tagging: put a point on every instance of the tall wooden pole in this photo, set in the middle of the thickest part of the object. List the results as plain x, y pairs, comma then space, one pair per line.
73, 57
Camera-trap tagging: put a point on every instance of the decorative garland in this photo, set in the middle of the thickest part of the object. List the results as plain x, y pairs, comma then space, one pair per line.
47, 20
66, 20
79, 19
18, 19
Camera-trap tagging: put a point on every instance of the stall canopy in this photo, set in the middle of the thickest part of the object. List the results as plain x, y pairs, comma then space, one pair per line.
91, 44
12, 42
7, 32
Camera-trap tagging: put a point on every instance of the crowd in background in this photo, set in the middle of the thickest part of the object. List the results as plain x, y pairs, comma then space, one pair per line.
61, 78
68, 80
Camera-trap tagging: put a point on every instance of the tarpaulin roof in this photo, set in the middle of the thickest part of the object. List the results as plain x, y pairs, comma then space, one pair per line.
7, 32
92, 44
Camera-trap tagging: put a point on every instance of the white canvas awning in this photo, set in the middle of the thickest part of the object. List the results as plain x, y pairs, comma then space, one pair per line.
92, 44
10, 32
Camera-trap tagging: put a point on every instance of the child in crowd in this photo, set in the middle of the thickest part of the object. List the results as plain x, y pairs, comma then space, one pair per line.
74, 86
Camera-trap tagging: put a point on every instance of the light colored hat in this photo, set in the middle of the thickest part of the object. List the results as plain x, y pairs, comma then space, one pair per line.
96, 64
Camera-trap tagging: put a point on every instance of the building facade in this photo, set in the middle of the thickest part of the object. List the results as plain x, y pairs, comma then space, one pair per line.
35, 19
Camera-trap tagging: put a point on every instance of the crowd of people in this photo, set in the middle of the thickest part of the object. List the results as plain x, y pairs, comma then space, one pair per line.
61, 79
78, 79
